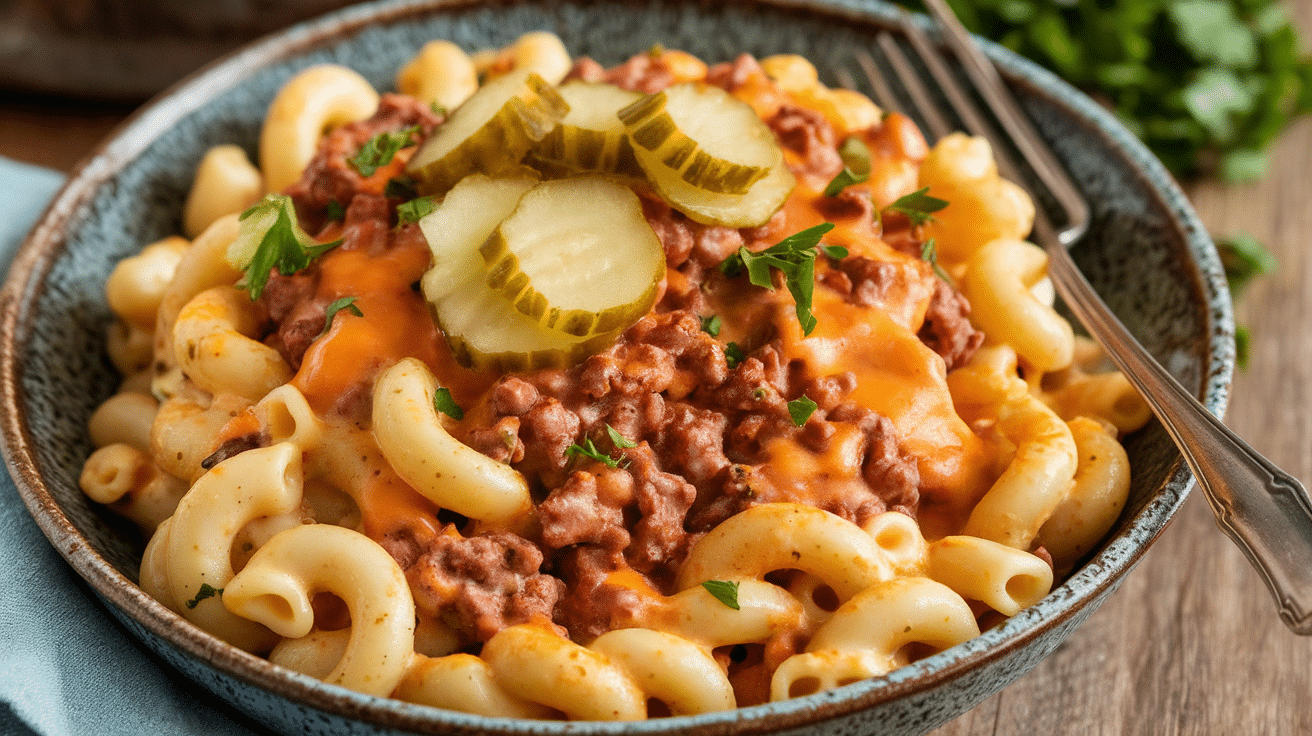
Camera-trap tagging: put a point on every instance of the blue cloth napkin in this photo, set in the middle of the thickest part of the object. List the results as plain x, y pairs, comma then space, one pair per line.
66, 666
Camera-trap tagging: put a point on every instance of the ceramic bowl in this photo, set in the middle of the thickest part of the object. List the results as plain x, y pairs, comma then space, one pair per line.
1146, 253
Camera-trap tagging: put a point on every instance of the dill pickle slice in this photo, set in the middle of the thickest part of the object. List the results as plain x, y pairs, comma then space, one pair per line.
578, 256
590, 138
751, 209
714, 141
489, 133
484, 330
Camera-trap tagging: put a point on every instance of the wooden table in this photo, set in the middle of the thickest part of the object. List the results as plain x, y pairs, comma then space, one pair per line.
1191, 643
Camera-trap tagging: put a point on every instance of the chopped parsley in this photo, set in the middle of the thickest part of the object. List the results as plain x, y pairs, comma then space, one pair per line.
619, 439
437, 108
206, 591
445, 403
270, 237
801, 409
711, 325
347, 303
929, 253
794, 257
918, 206
414, 210
589, 449
380, 150
836, 252
401, 187
725, 591
733, 355
856, 166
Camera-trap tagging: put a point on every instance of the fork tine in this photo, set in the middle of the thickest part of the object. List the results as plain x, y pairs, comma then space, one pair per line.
911, 82
1008, 113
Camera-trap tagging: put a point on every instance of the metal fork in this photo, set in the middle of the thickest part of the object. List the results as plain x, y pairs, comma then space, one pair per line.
1264, 510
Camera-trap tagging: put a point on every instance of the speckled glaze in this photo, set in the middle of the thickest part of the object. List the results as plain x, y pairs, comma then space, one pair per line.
1146, 252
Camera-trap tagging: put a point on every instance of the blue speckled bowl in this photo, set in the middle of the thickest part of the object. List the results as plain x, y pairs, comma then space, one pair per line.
1146, 252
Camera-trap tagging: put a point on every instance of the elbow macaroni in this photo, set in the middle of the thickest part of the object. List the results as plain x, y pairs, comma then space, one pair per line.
303, 524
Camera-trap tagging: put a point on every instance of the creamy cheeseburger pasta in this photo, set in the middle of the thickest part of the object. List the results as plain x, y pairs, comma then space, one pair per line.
547, 390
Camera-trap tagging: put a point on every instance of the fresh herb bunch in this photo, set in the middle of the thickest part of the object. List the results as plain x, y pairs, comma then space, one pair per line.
1207, 84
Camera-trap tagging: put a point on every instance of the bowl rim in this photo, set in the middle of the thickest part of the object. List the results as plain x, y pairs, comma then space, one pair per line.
46, 243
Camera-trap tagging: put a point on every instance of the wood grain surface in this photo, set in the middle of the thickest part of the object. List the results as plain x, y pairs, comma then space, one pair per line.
1191, 643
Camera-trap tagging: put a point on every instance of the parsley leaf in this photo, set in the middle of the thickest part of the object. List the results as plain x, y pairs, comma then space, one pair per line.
270, 237
437, 108
733, 355
334, 211
414, 210
929, 252
206, 591
401, 187
725, 591
856, 166
794, 257
918, 206
443, 402
347, 303
619, 439
589, 449
380, 150
711, 325
1244, 259
801, 409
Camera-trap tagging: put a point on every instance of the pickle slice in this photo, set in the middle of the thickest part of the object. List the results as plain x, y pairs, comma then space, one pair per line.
577, 255
713, 140
489, 133
590, 138
483, 329
754, 208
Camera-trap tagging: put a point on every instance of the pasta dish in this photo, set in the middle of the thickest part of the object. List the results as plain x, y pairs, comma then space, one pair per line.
548, 390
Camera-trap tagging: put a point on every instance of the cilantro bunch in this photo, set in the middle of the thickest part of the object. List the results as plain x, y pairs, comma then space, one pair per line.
1207, 84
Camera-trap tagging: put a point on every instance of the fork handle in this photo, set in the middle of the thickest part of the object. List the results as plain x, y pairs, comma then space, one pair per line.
1263, 509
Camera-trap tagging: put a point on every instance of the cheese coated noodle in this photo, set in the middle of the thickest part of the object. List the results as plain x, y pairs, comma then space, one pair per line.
784, 536
764, 610
440, 73
226, 183
198, 547
124, 417
465, 683
413, 440
670, 669
311, 103
1096, 497
136, 285
998, 281
215, 344
537, 665
1004, 578
275, 589
864, 637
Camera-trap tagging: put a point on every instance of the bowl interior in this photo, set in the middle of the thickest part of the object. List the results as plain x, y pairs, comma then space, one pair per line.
1145, 252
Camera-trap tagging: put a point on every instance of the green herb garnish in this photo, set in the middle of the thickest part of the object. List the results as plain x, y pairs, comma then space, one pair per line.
918, 206
1207, 84
400, 187
856, 166
733, 355
794, 257
347, 303
929, 253
619, 439
270, 237
836, 252
334, 211
437, 108
380, 150
206, 591
711, 325
443, 402
724, 591
801, 409
1244, 259
414, 210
